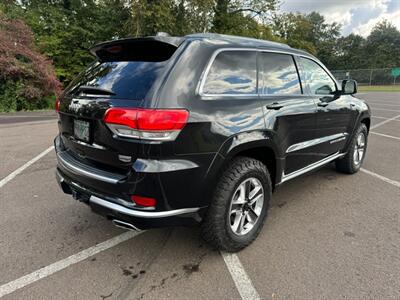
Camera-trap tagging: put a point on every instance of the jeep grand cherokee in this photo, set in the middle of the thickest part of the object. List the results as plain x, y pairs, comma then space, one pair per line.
165, 131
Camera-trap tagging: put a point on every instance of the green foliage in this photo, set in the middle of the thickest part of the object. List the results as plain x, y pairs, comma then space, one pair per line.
381, 49
310, 33
351, 53
64, 30
12, 98
26, 76
383, 46
295, 30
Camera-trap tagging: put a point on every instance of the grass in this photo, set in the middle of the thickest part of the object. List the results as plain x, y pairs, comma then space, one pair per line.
379, 88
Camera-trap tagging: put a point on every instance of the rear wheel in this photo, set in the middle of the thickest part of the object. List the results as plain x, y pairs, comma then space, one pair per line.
354, 158
239, 207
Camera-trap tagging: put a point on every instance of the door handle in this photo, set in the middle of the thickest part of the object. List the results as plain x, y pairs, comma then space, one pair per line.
323, 104
275, 106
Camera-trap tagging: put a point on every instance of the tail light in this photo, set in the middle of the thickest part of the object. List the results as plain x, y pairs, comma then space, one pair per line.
144, 201
57, 105
146, 124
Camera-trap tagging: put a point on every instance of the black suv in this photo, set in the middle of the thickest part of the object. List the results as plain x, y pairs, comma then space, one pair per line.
200, 129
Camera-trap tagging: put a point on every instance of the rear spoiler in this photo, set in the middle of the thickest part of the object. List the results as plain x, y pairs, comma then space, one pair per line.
152, 48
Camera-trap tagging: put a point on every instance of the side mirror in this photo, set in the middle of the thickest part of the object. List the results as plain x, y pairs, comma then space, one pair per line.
349, 87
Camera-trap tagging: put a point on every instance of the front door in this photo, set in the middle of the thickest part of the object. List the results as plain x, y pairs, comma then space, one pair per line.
334, 113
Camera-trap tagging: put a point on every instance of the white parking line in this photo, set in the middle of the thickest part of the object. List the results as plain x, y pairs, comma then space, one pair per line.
386, 109
386, 135
391, 181
384, 118
4, 125
24, 166
384, 122
65, 263
26, 116
386, 103
241, 279
383, 104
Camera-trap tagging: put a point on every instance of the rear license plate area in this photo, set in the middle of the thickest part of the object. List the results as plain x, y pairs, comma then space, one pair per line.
82, 130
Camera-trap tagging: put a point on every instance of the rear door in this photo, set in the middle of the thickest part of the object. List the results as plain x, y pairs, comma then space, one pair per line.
288, 111
334, 113
125, 75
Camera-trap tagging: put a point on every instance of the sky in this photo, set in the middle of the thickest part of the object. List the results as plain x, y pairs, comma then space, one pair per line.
356, 16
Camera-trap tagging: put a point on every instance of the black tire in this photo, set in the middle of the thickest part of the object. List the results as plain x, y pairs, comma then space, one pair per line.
216, 227
347, 164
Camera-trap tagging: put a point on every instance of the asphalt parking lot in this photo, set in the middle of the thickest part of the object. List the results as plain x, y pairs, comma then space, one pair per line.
328, 235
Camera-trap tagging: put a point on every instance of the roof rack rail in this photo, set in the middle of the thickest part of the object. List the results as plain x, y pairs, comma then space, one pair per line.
161, 33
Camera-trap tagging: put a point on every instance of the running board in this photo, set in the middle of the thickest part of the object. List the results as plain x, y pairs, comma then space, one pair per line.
312, 166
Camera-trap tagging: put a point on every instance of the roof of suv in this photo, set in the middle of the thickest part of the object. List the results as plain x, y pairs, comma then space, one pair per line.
237, 40
223, 39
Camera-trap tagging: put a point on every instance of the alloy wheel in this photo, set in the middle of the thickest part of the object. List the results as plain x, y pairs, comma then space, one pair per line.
359, 149
246, 206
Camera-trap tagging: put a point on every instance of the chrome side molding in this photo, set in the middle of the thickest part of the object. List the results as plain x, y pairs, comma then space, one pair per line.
312, 166
332, 138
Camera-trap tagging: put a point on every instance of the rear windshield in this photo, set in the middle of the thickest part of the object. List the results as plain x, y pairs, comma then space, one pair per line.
120, 79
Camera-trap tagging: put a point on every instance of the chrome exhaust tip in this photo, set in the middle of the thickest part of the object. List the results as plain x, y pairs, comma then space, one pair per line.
125, 225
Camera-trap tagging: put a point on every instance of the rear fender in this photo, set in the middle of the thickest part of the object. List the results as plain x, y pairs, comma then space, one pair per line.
237, 144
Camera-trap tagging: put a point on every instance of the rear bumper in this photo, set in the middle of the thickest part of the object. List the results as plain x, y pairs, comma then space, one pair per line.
108, 193
140, 219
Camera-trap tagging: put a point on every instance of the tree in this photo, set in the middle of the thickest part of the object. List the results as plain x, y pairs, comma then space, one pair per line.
26, 76
351, 52
181, 17
295, 30
153, 16
65, 29
324, 36
309, 32
383, 46
231, 14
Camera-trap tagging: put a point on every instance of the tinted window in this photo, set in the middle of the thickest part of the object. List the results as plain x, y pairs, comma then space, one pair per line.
126, 79
232, 72
319, 81
278, 74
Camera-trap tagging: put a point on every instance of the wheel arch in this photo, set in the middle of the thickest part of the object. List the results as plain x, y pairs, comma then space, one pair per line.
366, 121
258, 145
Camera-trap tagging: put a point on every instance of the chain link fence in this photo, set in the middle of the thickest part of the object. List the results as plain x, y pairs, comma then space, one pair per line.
388, 76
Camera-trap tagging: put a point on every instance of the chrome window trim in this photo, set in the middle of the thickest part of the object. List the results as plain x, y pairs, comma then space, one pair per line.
203, 77
313, 142
139, 213
311, 167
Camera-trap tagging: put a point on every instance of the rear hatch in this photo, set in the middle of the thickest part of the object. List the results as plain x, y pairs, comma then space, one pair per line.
126, 74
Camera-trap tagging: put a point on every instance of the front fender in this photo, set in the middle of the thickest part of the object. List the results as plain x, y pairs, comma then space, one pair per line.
364, 112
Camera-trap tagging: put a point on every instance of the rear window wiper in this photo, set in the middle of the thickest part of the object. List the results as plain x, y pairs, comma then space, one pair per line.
95, 90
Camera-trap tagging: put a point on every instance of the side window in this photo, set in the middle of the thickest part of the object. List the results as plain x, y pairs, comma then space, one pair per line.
278, 74
319, 81
232, 73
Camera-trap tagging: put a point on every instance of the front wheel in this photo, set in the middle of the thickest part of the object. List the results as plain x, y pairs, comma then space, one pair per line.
354, 158
239, 207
